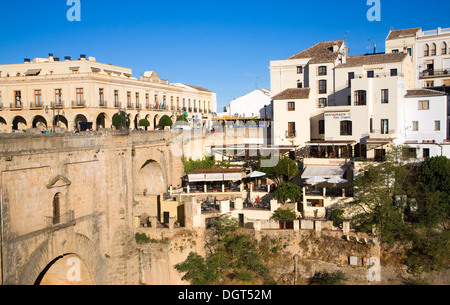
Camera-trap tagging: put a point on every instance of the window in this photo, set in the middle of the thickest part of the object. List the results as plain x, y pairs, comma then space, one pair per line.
426, 152
346, 128
75, 71
116, 98
360, 97
433, 49
410, 51
437, 125
384, 96
426, 50
18, 98
384, 126
415, 126
429, 83
299, 85
394, 72
322, 86
0, 99
351, 75
424, 105
137, 100
101, 97
322, 102
322, 70
147, 101
128, 99
80, 97
371, 74
56, 209
409, 152
443, 48
395, 51
291, 130
371, 125
322, 127
37, 98
58, 97
291, 106
299, 69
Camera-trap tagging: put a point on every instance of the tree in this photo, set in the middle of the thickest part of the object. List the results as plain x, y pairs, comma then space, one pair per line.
337, 217
283, 215
285, 170
234, 256
121, 120
182, 118
325, 278
206, 162
289, 191
144, 123
165, 121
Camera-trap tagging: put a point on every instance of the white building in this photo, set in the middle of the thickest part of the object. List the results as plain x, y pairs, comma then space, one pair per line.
252, 104
430, 51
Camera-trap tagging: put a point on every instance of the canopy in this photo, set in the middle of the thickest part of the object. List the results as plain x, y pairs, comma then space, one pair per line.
255, 174
324, 171
337, 179
315, 179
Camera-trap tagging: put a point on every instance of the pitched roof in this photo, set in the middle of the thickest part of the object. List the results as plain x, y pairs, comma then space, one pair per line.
198, 88
321, 52
395, 34
424, 92
293, 94
373, 59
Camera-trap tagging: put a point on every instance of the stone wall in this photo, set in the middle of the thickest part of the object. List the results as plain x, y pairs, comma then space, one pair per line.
93, 177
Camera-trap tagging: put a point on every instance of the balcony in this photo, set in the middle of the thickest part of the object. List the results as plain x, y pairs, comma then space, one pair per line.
291, 134
434, 73
117, 104
36, 106
79, 104
102, 103
14, 106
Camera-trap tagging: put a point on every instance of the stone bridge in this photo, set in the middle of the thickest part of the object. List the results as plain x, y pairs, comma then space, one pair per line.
68, 202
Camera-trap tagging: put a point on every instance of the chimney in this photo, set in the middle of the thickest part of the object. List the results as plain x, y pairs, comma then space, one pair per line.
374, 48
27, 60
335, 47
56, 59
67, 58
83, 57
50, 56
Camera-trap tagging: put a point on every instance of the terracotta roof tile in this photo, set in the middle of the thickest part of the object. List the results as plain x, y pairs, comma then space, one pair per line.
424, 92
293, 94
321, 52
395, 34
372, 59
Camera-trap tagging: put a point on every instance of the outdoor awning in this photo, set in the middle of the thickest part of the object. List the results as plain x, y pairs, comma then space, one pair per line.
32, 72
196, 177
232, 176
214, 177
324, 171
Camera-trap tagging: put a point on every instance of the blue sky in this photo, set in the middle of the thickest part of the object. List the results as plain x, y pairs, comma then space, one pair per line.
225, 46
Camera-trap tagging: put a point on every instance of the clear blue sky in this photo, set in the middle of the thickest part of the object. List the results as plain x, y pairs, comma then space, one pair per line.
225, 46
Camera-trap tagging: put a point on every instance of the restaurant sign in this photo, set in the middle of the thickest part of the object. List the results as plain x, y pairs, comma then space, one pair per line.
338, 116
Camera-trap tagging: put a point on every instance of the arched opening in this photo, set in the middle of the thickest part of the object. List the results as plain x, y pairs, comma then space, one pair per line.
60, 122
19, 123
100, 122
433, 49
426, 50
136, 122
150, 179
2, 125
57, 209
39, 122
79, 119
444, 48
68, 269
155, 122
148, 117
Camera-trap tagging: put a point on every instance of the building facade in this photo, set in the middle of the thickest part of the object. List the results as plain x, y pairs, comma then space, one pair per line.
47, 92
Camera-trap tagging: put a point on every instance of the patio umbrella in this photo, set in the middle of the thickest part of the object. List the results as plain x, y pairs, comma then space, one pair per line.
336, 179
315, 179
255, 174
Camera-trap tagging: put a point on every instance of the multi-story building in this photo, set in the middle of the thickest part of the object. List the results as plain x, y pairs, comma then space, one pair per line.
430, 51
47, 92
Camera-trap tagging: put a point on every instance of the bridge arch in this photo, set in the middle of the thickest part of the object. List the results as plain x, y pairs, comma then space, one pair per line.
150, 179
58, 249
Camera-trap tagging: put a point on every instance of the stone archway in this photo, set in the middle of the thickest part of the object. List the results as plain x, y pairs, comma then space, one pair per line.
150, 179
19, 123
68, 269
61, 245
39, 122
100, 122
3, 125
